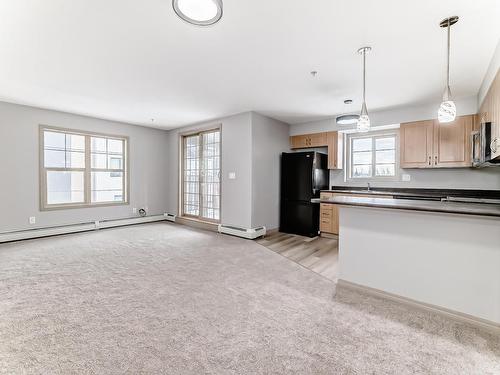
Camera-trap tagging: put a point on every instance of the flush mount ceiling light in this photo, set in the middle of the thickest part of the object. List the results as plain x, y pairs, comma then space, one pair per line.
447, 110
199, 12
364, 119
347, 119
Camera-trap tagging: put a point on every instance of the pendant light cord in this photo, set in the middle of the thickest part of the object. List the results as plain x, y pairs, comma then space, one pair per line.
448, 60
364, 76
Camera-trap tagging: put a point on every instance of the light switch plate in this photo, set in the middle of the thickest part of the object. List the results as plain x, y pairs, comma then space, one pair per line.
406, 177
232, 175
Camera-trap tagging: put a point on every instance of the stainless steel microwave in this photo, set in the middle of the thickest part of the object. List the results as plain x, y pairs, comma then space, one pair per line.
483, 147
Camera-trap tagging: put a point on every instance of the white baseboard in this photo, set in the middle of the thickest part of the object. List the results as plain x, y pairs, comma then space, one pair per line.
75, 228
343, 285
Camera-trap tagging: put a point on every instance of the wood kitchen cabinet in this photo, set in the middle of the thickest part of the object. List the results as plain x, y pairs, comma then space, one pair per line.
308, 140
490, 112
332, 140
416, 144
335, 142
452, 143
328, 216
430, 144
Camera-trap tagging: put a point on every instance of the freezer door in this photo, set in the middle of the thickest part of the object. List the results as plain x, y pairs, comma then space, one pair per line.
300, 218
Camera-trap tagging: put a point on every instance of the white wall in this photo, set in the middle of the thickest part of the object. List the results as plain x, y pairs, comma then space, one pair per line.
269, 139
236, 205
19, 168
457, 178
490, 75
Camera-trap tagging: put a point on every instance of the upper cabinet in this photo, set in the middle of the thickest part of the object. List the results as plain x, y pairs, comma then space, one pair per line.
308, 140
332, 140
490, 112
452, 142
430, 144
416, 144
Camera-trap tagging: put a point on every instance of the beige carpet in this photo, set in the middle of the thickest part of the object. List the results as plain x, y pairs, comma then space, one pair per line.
166, 299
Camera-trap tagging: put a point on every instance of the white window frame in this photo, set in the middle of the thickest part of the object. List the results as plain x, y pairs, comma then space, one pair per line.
182, 136
87, 171
374, 135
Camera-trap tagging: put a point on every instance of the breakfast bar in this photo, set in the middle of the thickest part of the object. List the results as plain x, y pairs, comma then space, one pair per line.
442, 255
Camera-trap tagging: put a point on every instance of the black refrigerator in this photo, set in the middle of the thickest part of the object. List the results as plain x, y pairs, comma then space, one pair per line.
303, 175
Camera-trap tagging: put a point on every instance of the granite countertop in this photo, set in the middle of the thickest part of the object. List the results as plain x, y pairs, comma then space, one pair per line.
488, 196
481, 209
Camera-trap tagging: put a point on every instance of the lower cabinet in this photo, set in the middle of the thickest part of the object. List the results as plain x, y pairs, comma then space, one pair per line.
329, 218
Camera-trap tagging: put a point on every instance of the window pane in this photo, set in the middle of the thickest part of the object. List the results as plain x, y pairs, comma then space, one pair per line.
107, 187
54, 159
385, 157
385, 170
54, 140
115, 146
115, 162
75, 160
98, 144
99, 161
64, 187
361, 144
385, 143
75, 142
361, 171
362, 157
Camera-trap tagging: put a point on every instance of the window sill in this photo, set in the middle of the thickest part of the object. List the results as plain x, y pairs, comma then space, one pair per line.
84, 205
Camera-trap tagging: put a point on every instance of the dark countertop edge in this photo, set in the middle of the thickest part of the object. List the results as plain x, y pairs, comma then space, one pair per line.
489, 210
417, 192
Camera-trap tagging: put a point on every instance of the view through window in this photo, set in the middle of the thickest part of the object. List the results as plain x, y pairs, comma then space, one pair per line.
373, 156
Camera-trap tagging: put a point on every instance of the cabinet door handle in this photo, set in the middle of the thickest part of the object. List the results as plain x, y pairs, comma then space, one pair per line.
435, 160
430, 160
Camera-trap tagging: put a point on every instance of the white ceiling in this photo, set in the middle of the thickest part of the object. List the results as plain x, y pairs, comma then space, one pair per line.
133, 60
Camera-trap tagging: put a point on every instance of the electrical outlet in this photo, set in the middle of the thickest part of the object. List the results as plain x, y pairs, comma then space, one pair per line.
32, 220
406, 177
134, 210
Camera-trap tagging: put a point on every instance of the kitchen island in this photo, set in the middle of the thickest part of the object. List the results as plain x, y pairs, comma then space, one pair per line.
443, 256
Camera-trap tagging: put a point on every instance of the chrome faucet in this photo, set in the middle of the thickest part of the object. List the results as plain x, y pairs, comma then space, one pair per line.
369, 187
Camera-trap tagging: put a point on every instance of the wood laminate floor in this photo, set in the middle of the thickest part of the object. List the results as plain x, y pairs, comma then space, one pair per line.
319, 254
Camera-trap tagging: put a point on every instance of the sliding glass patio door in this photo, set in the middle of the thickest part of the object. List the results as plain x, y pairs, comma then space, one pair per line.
201, 175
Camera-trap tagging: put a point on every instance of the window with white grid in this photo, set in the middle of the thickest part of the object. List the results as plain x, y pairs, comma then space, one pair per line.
80, 169
373, 156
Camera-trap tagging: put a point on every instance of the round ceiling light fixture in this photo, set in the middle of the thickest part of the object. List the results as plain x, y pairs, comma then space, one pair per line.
347, 119
198, 12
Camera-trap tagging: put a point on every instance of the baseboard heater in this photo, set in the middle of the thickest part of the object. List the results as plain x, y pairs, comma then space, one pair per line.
75, 228
170, 217
248, 233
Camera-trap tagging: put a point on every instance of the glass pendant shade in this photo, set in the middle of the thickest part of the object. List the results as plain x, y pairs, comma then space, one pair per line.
447, 111
364, 120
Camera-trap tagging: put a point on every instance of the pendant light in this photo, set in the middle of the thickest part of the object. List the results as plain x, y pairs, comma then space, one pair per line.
364, 119
447, 110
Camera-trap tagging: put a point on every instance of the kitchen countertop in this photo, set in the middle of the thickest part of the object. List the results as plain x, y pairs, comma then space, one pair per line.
436, 194
481, 209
